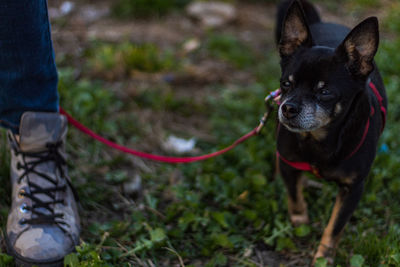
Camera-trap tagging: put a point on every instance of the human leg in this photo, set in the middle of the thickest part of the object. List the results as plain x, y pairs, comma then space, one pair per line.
28, 75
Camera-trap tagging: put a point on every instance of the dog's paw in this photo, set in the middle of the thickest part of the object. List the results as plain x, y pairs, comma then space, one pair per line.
299, 219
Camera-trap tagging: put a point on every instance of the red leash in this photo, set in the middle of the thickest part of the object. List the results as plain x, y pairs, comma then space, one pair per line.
166, 159
174, 160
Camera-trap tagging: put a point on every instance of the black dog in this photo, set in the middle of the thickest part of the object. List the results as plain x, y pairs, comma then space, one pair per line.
332, 112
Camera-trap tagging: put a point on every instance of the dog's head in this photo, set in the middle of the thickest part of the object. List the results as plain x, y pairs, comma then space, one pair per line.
319, 83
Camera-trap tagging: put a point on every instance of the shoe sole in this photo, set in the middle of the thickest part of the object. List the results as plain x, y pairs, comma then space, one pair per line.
25, 262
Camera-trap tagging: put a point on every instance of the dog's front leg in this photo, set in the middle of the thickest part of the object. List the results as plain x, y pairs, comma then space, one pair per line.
346, 202
297, 206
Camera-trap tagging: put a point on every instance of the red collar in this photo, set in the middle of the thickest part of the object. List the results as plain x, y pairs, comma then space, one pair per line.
301, 166
305, 166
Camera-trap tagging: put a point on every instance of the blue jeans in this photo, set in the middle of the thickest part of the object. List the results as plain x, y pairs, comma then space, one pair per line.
28, 74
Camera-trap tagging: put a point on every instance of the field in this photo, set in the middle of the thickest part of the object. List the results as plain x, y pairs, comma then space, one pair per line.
140, 71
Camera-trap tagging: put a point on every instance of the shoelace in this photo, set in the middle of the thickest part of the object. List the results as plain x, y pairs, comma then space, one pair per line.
51, 154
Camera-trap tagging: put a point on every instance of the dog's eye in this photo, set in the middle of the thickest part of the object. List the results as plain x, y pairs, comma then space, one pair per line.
320, 85
286, 84
325, 92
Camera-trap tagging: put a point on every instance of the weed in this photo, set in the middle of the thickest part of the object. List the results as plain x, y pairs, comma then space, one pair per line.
115, 61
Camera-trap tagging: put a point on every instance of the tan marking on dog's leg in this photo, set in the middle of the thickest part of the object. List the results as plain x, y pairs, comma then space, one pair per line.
348, 180
344, 178
328, 242
298, 207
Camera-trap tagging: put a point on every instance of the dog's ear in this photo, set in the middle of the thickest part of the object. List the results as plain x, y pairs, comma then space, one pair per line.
295, 31
359, 47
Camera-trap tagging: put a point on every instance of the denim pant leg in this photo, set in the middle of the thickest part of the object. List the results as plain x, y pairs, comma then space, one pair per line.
28, 75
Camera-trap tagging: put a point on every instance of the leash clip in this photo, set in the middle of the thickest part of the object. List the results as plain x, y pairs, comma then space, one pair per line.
274, 95
264, 118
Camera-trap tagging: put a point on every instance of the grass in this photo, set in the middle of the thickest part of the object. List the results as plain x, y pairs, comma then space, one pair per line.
230, 49
116, 61
392, 21
220, 212
145, 8
128, 9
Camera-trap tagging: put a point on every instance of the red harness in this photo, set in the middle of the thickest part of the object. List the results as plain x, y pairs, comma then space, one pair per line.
305, 166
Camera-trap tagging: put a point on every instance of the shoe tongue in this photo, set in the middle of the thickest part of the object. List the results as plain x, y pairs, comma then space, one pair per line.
37, 129
40, 128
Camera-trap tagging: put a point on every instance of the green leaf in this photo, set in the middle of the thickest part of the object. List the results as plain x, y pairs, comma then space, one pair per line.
220, 218
396, 258
321, 262
157, 235
222, 240
357, 261
218, 260
186, 219
117, 176
5, 259
71, 260
250, 214
151, 201
302, 231
285, 243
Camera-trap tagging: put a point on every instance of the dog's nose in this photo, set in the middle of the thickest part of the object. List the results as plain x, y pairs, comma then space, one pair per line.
290, 110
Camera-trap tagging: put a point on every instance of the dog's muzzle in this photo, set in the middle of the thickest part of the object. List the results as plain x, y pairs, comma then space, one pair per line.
302, 117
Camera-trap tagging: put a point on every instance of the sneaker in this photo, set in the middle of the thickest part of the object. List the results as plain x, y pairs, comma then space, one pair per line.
43, 224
